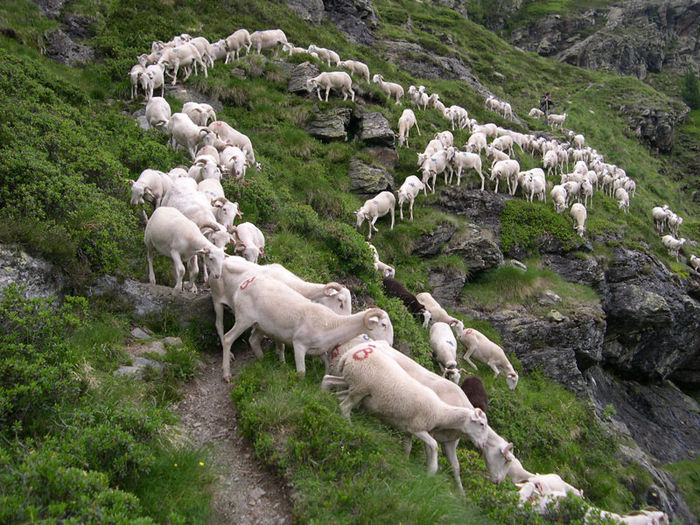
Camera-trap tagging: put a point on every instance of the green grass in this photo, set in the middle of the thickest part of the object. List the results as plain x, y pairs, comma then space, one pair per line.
687, 475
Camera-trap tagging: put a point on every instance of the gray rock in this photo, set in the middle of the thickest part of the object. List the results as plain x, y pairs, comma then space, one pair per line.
482, 207
172, 341
144, 363
156, 347
549, 297
308, 10
143, 123
430, 244
50, 8
63, 49
330, 124
447, 284
356, 18
141, 333
556, 316
299, 75
387, 157
369, 180
38, 277
477, 247
134, 372
373, 128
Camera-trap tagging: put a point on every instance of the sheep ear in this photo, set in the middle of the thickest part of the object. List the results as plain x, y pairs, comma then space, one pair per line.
539, 487
478, 414
216, 203
132, 182
330, 292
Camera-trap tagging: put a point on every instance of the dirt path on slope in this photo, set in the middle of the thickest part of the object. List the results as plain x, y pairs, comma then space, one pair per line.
245, 492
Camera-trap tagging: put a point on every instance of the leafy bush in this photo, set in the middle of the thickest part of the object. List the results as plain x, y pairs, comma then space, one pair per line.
690, 90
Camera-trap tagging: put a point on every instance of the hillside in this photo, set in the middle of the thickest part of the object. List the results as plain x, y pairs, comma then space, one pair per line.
604, 331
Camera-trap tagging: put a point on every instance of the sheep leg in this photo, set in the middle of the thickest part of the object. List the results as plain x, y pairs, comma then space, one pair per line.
328, 89
493, 367
430, 450
219, 322
393, 211
280, 351
434, 181
450, 449
467, 356
411, 208
330, 381
299, 357
193, 272
149, 256
178, 268
351, 401
401, 211
254, 341
240, 326
417, 128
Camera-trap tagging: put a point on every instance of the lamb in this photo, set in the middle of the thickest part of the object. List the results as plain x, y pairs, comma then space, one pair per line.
232, 137
172, 234
673, 245
390, 88
474, 389
135, 77
437, 312
356, 68
462, 160
186, 133
484, 350
406, 121
578, 213
248, 241
623, 199
235, 42
550, 483
374, 208
444, 346
507, 170
289, 317
158, 113
386, 269
267, 39
394, 288
559, 197
555, 120
185, 55
326, 55
338, 80
537, 113
151, 79
199, 113
408, 191
375, 379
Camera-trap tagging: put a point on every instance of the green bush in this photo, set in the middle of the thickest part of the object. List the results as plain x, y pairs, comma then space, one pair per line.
690, 90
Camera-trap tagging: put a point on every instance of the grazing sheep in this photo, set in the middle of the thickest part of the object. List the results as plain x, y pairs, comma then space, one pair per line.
475, 391
623, 199
218, 50
199, 113
158, 113
533, 183
172, 234
660, 215
462, 160
694, 262
673, 245
386, 390
386, 269
151, 79
500, 461
184, 56
444, 346
338, 80
437, 312
231, 137
187, 134
476, 142
249, 241
267, 39
394, 288
432, 166
325, 55
587, 191
152, 186
507, 170
356, 68
183, 196
135, 77
235, 42
374, 208
288, 317
555, 120
548, 483
408, 191
390, 88
674, 222
537, 113
204, 167
504, 143
204, 48
578, 141
578, 213
406, 121
488, 352
573, 189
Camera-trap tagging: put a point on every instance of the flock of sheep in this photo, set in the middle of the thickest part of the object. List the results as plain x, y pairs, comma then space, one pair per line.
193, 218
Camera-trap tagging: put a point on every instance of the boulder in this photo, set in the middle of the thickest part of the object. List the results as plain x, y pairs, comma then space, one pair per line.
356, 18
64, 50
431, 243
369, 180
308, 10
447, 284
299, 75
387, 157
329, 124
477, 247
38, 277
50, 8
372, 128
482, 207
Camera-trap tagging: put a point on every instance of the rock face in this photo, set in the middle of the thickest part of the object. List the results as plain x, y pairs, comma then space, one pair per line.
482, 207
308, 10
330, 124
356, 18
430, 244
63, 49
372, 128
369, 180
447, 284
476, 247
299, 75
38, 277
50, 8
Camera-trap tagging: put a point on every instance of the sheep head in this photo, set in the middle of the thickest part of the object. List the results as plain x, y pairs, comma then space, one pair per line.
378, 325
512, 380
476, 426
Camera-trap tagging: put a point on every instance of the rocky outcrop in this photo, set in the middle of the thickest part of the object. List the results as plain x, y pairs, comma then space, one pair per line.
482, 207
430, 244
329, 124
299, 75
476, 247
369, 180
308, 10
50, 8
356, 18
37, 277
372, 128
447, 284
63, 49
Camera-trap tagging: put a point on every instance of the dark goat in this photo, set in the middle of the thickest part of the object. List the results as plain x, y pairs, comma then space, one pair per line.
394, 288
473, 387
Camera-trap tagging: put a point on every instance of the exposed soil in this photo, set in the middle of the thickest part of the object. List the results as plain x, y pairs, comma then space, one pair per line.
245, 492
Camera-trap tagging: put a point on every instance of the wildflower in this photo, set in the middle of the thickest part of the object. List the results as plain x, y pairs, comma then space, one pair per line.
201, 463
175, 465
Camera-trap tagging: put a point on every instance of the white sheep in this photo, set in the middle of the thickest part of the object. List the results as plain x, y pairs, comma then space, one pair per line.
249, 241
550, 483
462, 160
534, 183
673, 245
135, 77
457, 115
151, 79
233, 162
158, 113
476, 142
694, 262
295, 50
579, 214
446, 138
500, 461
437, 312
406, 121
578, 141
386, 390
356, 68
338, 80
326, 55
674, 222
209, 150
482, 349
235, 42
573, 190
204, 167
444, 346
184, 56
408, 191
660, 215
232, 137
187, 134
432, 166
218, 50
623, 199
289, 317
204, 48
197, 207
267, 39
555, 120
537, 113
376, 207
386, 269
503, 143
172, 234
199, 113
559, 197
152, 186
212, 189
506, 170
587, 191
390, 88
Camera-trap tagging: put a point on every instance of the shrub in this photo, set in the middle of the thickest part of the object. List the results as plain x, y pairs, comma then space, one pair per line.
690, 90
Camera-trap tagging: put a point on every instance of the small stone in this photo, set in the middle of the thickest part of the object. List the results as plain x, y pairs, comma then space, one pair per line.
141, 333
257, 493
555, 316
173, 341
518, 264
549, 297
156, 347
134, 372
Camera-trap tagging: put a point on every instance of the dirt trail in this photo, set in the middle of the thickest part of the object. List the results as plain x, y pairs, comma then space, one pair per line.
245, 492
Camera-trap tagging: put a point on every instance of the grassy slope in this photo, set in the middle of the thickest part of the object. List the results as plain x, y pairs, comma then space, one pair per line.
301, 198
